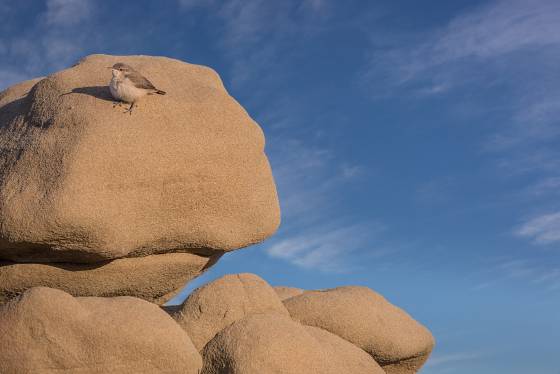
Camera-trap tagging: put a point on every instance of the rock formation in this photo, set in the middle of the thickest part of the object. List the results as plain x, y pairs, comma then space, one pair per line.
361, 316
95, 202
272, 343
153, 278
83, 184
237, 321
49, 331
287, 292
218, 304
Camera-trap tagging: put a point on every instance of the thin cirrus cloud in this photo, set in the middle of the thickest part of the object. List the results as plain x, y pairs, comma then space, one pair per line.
509, 43
313, 236
440, 363
257, 35
67, 12
330, 249
543, 229
57, 38
485, 33
526, 270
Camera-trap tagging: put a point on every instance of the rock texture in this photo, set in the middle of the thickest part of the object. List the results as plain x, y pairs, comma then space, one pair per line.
49, 331
287, 292
98, 202
272, 343
81, 182
153, 278
218, 304
357, 314
234, 325
344, 354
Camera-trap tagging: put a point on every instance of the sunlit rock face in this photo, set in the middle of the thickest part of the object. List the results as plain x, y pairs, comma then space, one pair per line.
175, 184
48, 331
363, 317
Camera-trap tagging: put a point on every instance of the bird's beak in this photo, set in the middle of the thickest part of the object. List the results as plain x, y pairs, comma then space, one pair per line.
109, 67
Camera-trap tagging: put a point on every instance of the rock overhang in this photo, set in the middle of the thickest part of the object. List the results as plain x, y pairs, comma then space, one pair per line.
83, 183
186, 171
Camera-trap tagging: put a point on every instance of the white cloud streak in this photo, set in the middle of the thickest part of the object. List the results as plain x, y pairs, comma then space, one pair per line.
330, 249
67, 12
190, 4
511, 44
438, 360
58, 37
543, 229
531, 271
258, 35
489, 32
312, 234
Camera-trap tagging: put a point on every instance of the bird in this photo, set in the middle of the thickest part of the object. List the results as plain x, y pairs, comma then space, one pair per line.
128, 85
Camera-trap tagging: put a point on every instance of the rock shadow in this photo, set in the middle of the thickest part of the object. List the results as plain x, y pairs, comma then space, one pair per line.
68, 266
99, 92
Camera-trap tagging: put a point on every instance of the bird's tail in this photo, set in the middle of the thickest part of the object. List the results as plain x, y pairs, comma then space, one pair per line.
160, 92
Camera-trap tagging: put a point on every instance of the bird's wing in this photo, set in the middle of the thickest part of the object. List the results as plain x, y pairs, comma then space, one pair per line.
139, 81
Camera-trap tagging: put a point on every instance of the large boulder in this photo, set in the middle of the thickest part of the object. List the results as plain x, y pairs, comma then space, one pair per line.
216, 305
359, 315
49, 331
154, 278
344, 354
287, 292
272, 343
82, 182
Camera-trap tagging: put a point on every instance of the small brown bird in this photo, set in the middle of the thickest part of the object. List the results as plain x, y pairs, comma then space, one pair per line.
129, 86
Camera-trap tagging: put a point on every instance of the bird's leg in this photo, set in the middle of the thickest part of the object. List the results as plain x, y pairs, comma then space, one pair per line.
129, 110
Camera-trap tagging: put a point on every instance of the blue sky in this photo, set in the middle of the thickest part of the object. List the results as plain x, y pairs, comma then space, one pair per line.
415, 147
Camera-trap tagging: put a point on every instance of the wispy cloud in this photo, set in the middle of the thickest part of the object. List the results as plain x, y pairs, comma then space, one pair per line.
435, 191
543, 229
507, 47
258, 35
331, 249
307, 178
57, 37
67, 12
510, 44
518, 269
190, 4
484, 34
314, 233
544, 187
316, 5
528, 270
438, 360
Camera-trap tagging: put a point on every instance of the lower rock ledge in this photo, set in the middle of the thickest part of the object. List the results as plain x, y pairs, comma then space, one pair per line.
153, 278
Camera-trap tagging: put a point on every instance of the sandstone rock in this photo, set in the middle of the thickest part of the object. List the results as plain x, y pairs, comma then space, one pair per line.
153, 278
344, 354
216, 305
49, 331
266, 343
357, 314
83, 182
287, 292
409, 366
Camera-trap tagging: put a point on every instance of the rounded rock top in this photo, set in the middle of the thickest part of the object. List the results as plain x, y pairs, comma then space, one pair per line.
82, 181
